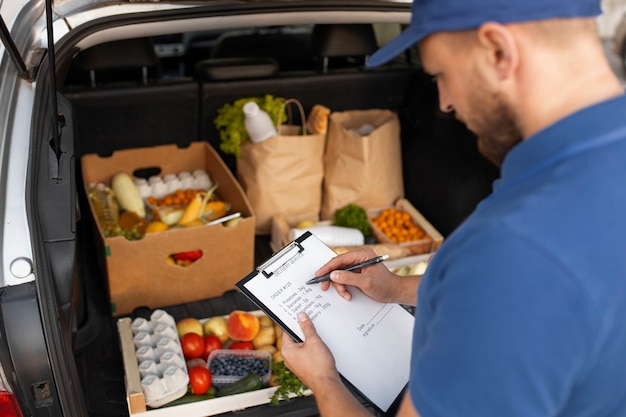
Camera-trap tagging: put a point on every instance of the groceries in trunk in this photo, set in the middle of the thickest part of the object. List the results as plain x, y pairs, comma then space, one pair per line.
132, 207
202, 359
399, 230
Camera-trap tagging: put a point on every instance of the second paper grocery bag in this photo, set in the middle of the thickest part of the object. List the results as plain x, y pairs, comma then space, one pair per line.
362, 161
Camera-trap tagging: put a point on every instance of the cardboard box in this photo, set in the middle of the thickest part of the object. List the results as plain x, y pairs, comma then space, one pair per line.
428, 244
136, 400
280, 235
411, 265
138, 271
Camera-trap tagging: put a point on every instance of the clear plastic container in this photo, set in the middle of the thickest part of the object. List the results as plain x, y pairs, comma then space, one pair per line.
105, 206
225, 354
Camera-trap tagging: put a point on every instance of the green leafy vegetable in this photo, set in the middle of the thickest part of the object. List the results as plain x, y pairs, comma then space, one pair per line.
289, 383
230, 121
353, 216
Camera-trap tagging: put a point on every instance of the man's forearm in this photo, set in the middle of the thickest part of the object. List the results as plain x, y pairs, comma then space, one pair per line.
334, 400
407, 290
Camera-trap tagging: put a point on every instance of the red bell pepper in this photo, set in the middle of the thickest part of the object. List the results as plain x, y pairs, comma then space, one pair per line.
191, 256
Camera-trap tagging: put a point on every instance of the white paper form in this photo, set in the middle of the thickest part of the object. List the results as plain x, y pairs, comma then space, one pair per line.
371, 341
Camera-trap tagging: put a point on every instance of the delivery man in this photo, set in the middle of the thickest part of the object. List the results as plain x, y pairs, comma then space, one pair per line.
522, 311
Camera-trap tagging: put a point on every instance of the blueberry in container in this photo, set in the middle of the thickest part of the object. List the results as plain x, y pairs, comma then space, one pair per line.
230, 365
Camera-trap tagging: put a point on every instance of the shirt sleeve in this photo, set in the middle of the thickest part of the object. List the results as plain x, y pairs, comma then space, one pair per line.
501, 330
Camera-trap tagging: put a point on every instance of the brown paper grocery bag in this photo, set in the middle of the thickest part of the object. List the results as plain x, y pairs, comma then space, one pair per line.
283, 175
363, 168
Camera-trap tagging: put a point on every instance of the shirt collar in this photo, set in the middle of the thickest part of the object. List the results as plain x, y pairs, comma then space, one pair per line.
585, 124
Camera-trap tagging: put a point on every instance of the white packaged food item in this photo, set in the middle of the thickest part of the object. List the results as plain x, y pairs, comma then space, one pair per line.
162, 366
332, 235
364, 130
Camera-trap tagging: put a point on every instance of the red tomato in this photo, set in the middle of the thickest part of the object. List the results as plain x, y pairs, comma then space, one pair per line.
193, 345
200, 380
211, 343
241, 345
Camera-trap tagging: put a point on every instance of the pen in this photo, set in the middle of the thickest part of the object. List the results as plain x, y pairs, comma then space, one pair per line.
369, 262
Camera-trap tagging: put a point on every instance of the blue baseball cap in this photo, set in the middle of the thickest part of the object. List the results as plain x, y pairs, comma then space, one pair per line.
430, 16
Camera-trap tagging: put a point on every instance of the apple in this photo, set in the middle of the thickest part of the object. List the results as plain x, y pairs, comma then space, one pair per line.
242, 325
217, 326
189, 325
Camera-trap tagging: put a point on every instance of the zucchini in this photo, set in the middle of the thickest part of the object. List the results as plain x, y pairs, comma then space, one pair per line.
192, 398
248, 383
127, 194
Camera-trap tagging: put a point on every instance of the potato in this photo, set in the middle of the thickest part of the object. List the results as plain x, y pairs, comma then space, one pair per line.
265, 336
277, 357
266, 321
268, 348
279, 337
278, 331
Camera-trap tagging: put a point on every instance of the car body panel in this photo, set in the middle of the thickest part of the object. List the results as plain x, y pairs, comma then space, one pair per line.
20, 93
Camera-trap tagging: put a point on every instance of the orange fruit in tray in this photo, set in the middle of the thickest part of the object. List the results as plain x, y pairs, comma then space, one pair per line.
398, 226
242, 325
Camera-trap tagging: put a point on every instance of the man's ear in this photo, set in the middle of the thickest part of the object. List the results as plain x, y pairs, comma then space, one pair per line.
500, 46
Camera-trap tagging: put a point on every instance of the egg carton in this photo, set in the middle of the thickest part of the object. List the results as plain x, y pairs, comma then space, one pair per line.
159, 186
162, 366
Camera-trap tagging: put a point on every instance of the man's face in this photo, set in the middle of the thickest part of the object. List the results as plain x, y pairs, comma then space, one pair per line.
464, 89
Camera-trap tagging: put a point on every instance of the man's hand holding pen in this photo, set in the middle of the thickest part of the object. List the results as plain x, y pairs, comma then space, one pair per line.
351, 268
375, 281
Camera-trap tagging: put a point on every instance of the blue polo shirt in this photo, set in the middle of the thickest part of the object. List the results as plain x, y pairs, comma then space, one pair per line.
522, 311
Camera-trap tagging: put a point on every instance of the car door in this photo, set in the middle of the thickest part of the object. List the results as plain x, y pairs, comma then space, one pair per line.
37, 183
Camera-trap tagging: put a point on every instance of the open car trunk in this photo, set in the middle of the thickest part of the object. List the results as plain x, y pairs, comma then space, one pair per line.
157, 96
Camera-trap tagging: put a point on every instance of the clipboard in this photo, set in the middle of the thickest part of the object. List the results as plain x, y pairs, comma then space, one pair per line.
371, 341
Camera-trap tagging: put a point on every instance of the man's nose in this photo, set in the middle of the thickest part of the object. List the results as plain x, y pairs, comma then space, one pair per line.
445, 104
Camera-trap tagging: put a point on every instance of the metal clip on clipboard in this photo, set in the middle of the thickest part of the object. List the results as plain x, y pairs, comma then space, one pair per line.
280, 259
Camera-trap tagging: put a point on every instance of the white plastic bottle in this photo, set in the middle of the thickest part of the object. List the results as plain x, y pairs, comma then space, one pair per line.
258, 123
332, 235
